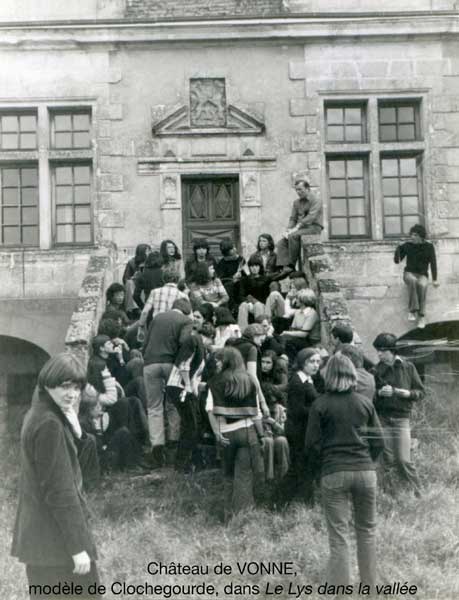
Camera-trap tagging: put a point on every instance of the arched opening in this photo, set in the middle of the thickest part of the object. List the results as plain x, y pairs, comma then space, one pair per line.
20, 363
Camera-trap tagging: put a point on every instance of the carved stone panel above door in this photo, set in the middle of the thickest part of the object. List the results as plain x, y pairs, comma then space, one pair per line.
208, 113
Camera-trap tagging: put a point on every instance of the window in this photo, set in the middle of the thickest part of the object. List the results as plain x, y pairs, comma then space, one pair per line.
70, 130
19, 206
18, 131
33, 212
345, 123
401, 184
374, 182
399, 122
72, 204
348, 193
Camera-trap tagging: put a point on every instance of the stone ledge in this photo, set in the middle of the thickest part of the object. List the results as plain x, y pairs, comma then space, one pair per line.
85, 317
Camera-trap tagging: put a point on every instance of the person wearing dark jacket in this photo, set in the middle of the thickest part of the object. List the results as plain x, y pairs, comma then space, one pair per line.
165, 335
201, 254
183, 390
420, 255
149, 279
344, 436
229, 270
265, 251
51, 532
298, 483
398, 387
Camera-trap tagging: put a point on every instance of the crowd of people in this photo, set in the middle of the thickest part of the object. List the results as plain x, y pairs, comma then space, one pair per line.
217, 362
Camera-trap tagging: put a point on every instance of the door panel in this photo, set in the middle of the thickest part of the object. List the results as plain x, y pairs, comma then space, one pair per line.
211, 211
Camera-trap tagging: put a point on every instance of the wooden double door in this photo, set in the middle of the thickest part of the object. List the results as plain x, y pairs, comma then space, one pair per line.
210, 211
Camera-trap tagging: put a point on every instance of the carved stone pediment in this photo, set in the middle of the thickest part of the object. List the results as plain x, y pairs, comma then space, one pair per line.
177, 122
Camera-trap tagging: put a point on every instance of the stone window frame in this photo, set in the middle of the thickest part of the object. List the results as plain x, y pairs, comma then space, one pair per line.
398, 105
18, 132
73, 131
374, 149
333, 104
45, 156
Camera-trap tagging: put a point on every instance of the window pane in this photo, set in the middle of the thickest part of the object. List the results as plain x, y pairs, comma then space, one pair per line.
29, 216
387, 115
82, 174
29, 196
11, 235
64, 234
10, 216
390, 167
407, 166
335, 133
353, 115
338, 207
355, 187
62, 123
81, 122
406, 133
408, 222
10, 196
357, 226
337, 188
81, 140
334, 116
28, 123
28, 141
354, 134
10, 177
409, 186
83, 234
390, 187
357, 207
30, 236
63, 175
64, 195
388, 133
64, 214
339, 226
63, 140
406, 114
392, 206
336, 169
355, 168
29, 177
9, 123
10, 141
82, 194
392, 225
410, 204
82, 214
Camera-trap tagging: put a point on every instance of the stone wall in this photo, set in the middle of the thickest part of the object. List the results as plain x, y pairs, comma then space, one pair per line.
160, 9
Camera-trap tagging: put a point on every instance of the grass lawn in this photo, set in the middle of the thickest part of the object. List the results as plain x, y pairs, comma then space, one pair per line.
171, 518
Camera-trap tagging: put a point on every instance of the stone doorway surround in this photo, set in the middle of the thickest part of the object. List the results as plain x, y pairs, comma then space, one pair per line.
170, 171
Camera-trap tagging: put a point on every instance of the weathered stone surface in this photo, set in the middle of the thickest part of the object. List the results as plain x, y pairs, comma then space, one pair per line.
296, 70
111, 182
320, 264
299, 143
328, 285
112, 219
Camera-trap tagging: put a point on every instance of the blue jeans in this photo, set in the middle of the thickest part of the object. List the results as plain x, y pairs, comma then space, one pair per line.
397, 452
341, 492
243, 470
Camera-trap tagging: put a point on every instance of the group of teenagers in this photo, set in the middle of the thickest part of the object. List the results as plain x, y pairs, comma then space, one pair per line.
228, 356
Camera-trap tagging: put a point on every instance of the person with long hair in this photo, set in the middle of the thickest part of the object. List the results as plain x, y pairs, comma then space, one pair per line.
206, 288
345, 436
133, 269
150, 278
225, 327
265, 251
51, 532
201, 254
170, 255
233, 411
298, 484
305, 328
230, 270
